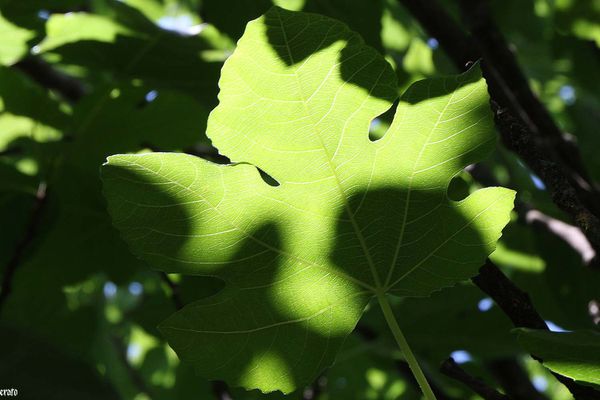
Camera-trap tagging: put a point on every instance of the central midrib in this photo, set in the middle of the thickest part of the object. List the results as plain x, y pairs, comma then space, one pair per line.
409, 190
347, 207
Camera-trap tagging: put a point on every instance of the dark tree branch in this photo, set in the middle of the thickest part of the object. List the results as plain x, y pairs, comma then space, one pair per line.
521, 133
453, 370
569, 234
203, 151
30, 232
517, 305
513, 378
517, 138
513, 87
438, 23
46, 75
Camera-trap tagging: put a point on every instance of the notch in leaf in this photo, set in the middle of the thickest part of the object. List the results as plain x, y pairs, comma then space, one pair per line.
350, 220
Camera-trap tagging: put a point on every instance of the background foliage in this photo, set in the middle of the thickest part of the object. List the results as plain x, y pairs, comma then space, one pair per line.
83, 79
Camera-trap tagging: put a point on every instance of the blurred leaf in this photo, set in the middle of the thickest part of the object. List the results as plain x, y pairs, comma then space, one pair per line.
76, 238
582, 18
129, 46
62, 29
573, 354
29, 117
13, 42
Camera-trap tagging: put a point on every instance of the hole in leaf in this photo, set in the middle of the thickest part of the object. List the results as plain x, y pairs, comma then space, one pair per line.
269, 180
458, 188
380, 124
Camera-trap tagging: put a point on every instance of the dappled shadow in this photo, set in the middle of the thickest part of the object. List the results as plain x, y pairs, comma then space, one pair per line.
22, 97
297, 37
293, 43
418, 241
281, 319
363, 17
168, 61
165, 233
231, 16
160, 58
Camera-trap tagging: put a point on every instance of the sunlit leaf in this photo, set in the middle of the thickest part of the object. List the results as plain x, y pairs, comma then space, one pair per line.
13, 42
349, 218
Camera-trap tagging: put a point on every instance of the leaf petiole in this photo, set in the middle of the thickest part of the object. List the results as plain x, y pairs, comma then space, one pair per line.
404, 347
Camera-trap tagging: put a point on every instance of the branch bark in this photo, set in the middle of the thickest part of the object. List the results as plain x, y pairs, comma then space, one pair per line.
519, 139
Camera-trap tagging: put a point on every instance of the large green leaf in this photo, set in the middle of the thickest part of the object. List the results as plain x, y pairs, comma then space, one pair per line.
349, 218
573, 354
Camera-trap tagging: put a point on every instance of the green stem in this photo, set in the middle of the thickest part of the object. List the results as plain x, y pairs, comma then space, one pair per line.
404, 347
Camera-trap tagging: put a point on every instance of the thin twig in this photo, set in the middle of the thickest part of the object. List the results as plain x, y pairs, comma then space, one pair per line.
451, 369
29, 236
175, 294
